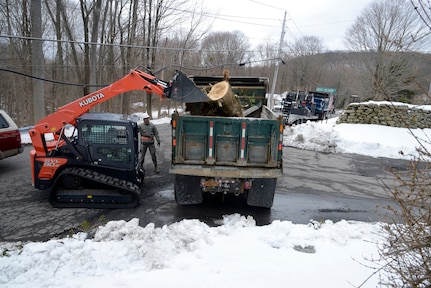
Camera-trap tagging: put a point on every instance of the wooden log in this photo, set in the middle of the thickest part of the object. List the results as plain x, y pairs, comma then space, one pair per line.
223, 101
219, 90
222, 93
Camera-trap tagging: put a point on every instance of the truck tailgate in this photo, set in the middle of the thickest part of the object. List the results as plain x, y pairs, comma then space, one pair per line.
226, 146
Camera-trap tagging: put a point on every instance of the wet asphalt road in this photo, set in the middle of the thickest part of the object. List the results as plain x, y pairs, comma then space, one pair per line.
316, 186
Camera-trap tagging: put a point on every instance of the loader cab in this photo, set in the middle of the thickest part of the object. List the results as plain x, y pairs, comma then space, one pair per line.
108, 140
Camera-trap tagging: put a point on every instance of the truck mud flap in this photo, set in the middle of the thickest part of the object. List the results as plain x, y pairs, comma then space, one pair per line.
262, 192
187, 190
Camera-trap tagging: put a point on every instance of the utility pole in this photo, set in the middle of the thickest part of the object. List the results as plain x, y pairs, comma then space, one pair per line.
37, 60
274, 79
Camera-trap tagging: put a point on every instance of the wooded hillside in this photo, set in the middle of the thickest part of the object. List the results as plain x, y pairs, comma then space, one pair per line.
54, 52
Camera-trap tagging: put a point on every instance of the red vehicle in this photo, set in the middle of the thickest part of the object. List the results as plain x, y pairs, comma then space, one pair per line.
98, 166
10, 137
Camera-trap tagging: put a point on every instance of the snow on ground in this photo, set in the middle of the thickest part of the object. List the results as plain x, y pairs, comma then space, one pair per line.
191, 254
236, 253
369, 140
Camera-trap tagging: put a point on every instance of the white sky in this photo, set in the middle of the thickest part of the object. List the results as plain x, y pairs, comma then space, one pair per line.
235, 254
259, 20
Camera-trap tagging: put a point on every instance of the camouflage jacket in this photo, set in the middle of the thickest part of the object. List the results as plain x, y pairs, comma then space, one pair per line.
148, 132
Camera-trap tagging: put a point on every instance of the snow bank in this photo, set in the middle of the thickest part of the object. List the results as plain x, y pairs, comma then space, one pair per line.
191, 254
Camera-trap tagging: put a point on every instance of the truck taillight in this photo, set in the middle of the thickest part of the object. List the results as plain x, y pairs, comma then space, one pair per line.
247, 184
280, 142
174, 140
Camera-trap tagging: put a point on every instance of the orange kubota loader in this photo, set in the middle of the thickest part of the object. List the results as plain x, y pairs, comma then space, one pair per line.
98, 166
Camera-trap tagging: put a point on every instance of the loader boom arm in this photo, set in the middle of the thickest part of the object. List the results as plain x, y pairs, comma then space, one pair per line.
67, 114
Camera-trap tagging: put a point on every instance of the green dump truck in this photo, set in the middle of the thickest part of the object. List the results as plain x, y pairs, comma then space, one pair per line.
228, 155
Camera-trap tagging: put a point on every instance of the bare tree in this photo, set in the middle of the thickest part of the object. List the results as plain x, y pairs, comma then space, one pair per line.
73, 51
90, 14
305, 67
93, 55
58, 69
179, 49
423, 8
16, 92
66, 63
225, 49
385, 28
407, 251
128, 56
187, 35
158, 18
265, 56
109, 54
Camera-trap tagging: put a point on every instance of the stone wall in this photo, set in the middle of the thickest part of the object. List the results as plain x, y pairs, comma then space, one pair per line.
387, 114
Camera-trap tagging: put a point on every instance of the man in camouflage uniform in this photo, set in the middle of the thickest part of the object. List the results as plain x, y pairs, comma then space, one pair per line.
148, 132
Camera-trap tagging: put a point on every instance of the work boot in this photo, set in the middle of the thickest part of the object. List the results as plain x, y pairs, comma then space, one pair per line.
156, 169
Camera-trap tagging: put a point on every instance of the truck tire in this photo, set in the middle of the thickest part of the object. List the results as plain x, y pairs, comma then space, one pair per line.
262, 192
187, 190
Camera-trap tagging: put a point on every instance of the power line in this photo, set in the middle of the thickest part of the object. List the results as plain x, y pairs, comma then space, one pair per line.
225, 17
156, 72
267, 5
294, 23
51, 81
120, 45
212, 15
248, 23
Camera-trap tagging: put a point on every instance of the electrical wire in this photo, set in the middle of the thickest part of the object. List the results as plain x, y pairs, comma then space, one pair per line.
52, 81
156, 72
120, 45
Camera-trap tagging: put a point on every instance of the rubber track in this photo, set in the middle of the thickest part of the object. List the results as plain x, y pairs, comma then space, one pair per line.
94, 176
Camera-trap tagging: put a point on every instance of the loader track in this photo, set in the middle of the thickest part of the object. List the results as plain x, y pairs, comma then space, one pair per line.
106, 191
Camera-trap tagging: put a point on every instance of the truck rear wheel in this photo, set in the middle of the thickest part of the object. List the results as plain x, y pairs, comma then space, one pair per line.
261, 193
187, 190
